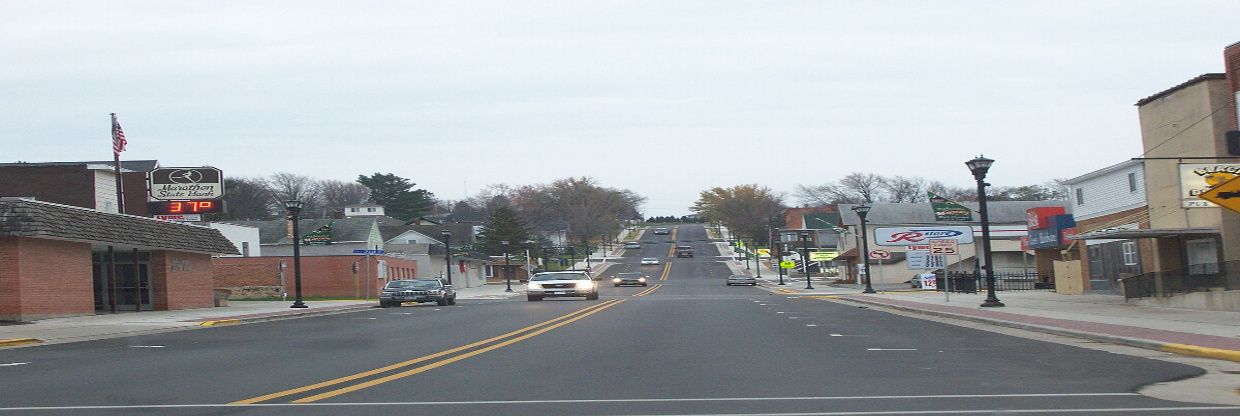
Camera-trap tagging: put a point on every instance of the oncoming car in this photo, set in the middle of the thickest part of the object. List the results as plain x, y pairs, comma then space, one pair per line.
632, 244
561, 284
649, 261
660, 231
421, 290
630, 278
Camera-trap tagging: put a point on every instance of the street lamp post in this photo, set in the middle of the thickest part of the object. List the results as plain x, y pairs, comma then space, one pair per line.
748, 251
294, 212
447, 253
862, 211
779, 250
757, 262
507, 271
979, 166
805, 257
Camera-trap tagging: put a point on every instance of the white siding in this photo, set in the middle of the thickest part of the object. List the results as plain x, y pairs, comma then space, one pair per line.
1108, 193
240, 236
105, 191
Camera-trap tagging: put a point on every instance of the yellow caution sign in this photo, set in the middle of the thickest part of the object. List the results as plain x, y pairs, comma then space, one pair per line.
787, 264
1226, 194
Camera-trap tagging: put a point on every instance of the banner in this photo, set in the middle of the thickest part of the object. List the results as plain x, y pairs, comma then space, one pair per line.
948, 210
319, 237
903, 236
823, 255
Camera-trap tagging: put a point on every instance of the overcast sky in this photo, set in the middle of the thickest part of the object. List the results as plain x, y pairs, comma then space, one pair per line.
665, 98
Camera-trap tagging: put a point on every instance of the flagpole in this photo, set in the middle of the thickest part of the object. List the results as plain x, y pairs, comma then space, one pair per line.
116, 159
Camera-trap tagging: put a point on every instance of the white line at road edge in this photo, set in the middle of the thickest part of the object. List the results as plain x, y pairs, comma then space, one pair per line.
12, 364
671, 400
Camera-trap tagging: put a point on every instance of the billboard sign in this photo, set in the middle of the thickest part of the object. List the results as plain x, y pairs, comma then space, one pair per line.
948, 210
169, 184
1197, 178
903, 236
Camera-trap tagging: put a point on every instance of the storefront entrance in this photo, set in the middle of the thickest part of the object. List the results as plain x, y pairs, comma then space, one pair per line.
128, 285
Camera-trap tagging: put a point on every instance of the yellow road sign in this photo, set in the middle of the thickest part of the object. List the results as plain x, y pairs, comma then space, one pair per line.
787, 264
1226, 194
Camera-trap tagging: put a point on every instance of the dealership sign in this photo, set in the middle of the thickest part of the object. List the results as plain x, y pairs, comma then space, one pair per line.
1196, 178
903, 236
168, 184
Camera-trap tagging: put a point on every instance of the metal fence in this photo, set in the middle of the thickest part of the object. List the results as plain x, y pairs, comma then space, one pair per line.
1196, 278
973, 282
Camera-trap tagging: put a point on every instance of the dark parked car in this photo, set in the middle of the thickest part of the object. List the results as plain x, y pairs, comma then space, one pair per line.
421, 290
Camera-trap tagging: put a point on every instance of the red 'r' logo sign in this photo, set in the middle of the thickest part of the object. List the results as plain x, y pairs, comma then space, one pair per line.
910, 236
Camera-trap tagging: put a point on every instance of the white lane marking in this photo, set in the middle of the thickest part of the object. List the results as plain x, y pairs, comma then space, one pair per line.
146, 346
365, 318
761, 304
672, 400
810, 325
12, 364
778, 312
891, 349
402, 313
837, 335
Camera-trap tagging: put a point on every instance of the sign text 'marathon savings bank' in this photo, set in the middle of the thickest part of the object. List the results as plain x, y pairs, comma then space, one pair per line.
168, 184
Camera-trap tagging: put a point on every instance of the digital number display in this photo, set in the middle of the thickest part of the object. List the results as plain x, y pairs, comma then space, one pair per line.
204, 206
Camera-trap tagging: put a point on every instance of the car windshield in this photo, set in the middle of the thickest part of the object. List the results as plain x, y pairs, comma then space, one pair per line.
413, 284
559, 276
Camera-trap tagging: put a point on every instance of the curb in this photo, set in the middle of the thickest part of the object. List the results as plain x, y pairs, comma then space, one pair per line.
13, 342
1181, 349
283, 315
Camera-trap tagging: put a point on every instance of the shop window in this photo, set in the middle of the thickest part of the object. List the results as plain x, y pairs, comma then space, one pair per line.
1129, 249
489, 271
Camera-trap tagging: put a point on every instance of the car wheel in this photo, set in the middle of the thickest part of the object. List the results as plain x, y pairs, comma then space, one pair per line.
383, 304
452, 300
533, 298
592, 296
442, 302
617, 285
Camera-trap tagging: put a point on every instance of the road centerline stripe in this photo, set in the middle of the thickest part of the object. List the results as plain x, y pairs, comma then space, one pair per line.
444, 362
407, 363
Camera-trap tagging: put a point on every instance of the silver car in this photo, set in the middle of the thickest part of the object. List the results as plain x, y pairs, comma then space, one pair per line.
561, 284
630, 278
742, 279
650, 261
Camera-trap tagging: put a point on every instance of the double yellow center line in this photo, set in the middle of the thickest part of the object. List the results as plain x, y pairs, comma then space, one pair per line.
648, 291
365, 379
667, 269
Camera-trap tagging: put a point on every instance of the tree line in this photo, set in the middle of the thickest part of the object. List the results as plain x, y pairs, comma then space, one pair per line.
262, 198
751, 210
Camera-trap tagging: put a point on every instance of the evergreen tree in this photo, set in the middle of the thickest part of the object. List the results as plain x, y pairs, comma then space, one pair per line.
503, 225
397, 196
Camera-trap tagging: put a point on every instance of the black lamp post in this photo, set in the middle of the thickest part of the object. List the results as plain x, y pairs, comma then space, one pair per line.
979, 166
748, 251
447, 253
572, 257
757, 262
862, 211
507, 273
294, 212
805, 257
779, 250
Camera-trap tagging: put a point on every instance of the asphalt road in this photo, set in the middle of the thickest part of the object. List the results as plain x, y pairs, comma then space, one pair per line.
686, 344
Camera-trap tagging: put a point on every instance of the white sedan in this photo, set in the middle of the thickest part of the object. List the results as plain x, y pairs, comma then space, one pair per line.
650, 260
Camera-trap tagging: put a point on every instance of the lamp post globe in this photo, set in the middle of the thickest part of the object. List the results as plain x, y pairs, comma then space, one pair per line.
979, 166
294, 213
863, 211
805, 258
447, 253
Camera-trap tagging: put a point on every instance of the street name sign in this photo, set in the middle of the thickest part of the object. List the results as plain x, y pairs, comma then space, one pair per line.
364, 251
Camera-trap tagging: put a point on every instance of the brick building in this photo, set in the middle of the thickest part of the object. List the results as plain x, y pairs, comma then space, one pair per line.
61, 260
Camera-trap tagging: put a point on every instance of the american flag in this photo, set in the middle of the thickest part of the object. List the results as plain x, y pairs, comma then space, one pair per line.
118, 137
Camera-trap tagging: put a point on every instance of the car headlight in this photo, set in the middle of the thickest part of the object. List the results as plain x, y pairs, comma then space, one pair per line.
641, 279
585, 285
616, 280
534, 286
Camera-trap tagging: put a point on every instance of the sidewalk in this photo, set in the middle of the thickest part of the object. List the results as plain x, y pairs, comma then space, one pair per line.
91, 327
1105, 318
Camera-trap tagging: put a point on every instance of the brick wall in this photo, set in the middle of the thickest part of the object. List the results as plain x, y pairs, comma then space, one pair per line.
182, 280
44, 279
320, 275
69, 185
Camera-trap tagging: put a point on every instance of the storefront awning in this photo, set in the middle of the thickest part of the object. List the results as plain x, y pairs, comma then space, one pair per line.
1118, 234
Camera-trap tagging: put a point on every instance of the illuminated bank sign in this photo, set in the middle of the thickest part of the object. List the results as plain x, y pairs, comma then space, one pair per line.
904, 236
1196, 178
171, 184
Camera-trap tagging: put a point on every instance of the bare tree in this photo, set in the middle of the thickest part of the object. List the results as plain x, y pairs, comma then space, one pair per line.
247, 199
826, 194
954, 193
286, 186
865, 186
903, 189
340, 194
